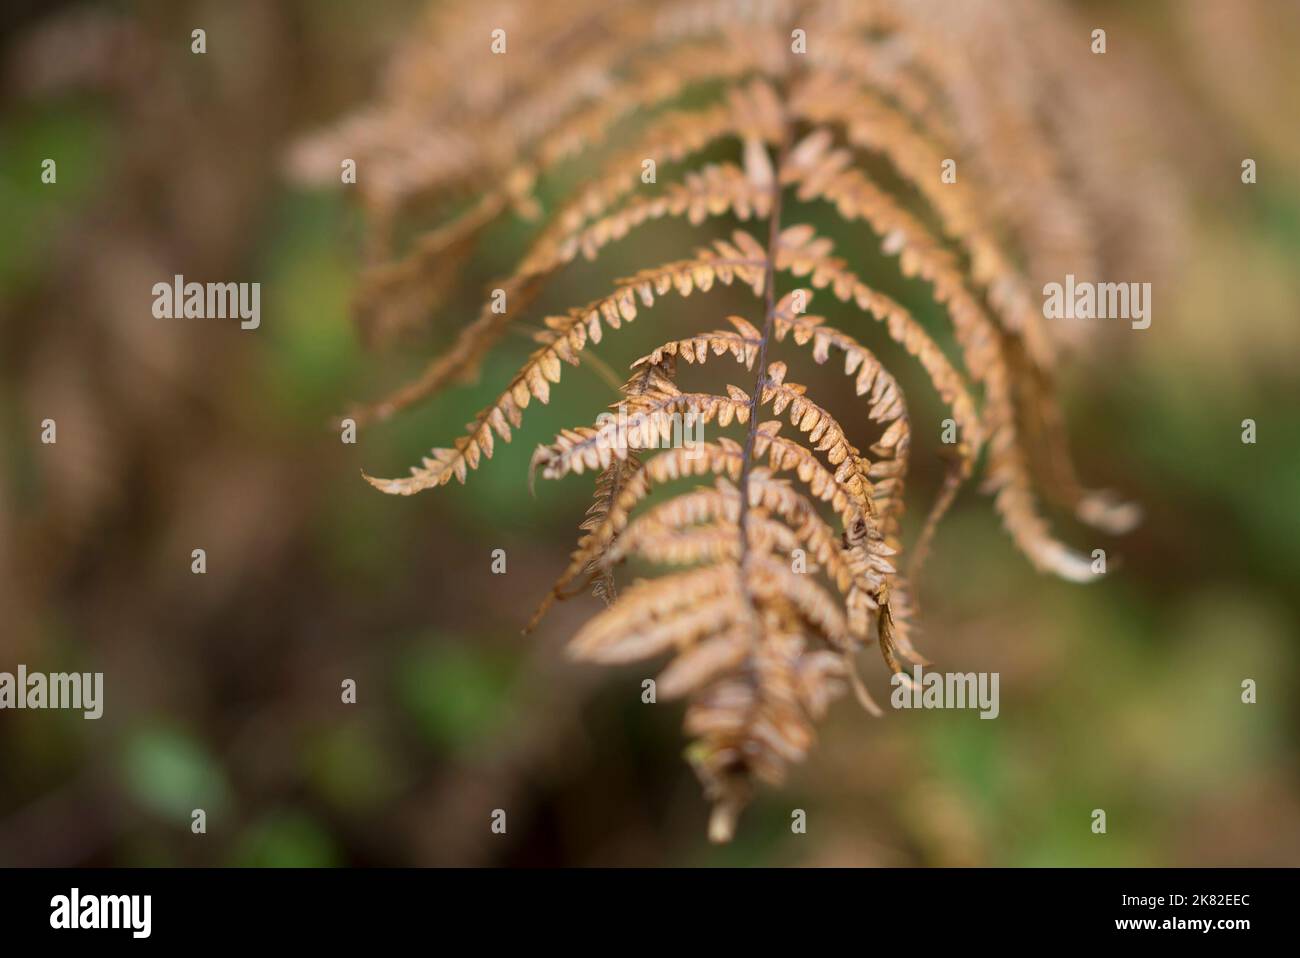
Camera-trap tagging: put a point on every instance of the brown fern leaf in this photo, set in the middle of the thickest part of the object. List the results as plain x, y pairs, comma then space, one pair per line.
778, 568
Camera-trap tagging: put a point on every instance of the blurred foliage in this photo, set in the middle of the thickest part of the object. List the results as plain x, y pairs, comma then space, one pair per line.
171, 774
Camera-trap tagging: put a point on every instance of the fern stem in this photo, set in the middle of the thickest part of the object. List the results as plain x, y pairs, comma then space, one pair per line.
755, 399
952, 483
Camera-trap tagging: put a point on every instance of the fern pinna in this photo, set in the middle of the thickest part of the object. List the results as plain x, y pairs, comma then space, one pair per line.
780, 543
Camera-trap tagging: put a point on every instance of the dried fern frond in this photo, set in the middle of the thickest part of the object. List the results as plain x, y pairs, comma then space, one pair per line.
785, 562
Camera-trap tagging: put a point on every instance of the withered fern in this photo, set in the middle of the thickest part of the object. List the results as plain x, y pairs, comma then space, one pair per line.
816, 97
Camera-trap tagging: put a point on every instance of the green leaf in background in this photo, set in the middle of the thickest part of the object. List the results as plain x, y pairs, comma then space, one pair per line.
171, 773
311, 349
456, 697
350, 766
73, 137
285, 839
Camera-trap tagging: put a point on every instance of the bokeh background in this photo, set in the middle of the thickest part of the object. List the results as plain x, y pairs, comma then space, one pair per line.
222, 690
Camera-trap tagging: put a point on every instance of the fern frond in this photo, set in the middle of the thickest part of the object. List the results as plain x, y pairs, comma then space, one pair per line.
750, 113
823, 173
712, 191
872, 124
563, 340
791, 558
